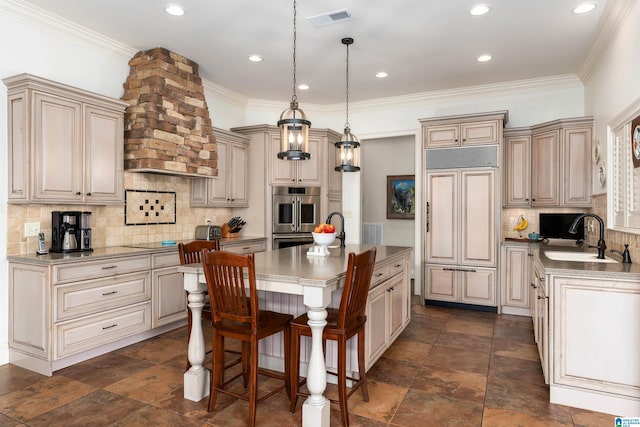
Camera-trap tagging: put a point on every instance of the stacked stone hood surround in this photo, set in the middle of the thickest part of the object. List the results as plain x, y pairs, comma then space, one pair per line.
167, 125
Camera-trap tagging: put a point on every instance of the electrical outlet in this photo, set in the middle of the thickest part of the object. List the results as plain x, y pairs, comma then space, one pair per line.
31, 229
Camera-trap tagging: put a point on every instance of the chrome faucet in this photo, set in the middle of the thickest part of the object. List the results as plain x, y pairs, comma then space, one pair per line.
602, 246
340, 236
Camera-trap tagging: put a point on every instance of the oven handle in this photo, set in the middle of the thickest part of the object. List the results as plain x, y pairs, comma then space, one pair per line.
297, 236
294, 210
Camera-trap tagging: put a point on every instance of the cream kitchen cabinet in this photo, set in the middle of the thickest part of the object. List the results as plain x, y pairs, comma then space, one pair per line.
230, 187
455, 131
539, 303
64, 312
516, 167
388, 307
169, 300
514, 279
461, 242
561, 163
65, 145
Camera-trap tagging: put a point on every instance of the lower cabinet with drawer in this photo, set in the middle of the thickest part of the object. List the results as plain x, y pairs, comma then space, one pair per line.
244, 246
388, 307
63, 313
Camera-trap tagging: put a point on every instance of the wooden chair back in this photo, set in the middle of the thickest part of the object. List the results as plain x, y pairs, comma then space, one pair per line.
227, 275
190, 252
356, 286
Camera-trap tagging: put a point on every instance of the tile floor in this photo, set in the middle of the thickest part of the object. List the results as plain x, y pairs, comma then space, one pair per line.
449, 367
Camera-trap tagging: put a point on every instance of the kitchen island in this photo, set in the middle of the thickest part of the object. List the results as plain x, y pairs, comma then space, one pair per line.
290, 281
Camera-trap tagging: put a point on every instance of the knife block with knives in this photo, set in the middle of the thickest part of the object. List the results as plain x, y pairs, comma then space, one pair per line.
232, 227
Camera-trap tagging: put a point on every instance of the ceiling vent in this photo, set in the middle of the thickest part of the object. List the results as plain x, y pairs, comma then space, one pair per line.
330, 17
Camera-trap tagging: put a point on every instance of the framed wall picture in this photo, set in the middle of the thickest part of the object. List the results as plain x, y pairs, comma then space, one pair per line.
401, 196
635, 142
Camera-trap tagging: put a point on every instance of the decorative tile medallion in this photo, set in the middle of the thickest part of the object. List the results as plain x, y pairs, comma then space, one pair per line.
143, 207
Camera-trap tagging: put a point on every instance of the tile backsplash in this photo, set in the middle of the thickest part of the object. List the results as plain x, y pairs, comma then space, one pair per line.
108, 222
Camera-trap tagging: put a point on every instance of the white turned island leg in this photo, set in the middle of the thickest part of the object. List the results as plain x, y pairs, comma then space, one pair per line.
196, 379
316, 409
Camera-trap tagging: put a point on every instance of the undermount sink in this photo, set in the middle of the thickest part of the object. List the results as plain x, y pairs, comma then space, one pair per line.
576, 256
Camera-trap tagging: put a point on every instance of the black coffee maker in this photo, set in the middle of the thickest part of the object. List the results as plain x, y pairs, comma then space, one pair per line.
70, 231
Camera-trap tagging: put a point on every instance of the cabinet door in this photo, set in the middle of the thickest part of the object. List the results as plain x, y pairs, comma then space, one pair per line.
442, 136
478, 218
376, 326
283, 172
18, 144
397, 308
169, 298
103, 156
515, 276
576, 167
441, 282
442, 199
198, 192
487, 132
309, 172
517, 166
217, 194
237, 175
542, 320
544, 169
478, 286
57, 171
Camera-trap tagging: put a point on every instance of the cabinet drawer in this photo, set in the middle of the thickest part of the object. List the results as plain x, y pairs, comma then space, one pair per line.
380, 273
166, 259
395, 267
90, 332
244, 248
103, 268
78, 299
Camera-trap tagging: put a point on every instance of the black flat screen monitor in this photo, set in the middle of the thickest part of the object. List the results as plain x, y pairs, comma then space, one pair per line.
556, 226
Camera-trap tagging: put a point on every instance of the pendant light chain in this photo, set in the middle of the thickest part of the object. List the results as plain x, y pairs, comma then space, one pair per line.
346, 124
294, 98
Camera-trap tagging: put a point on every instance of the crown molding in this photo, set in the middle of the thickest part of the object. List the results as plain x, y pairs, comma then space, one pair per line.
614, 14
224, 92
43, 20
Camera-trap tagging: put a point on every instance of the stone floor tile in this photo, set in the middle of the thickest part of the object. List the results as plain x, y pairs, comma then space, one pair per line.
149, 385
458, 359
104, 370
394, 371
494, 417
525, 370
420, 408
412, 351
508, 348
469, 326
14, 378
384, 401
584, 418
156, 350
449, 382
464, 341
6, 421
149, 416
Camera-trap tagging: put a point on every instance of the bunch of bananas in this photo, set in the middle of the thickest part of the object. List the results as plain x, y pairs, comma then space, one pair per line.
522, 223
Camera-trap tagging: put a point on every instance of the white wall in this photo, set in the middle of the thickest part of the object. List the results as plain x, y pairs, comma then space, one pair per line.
615, 82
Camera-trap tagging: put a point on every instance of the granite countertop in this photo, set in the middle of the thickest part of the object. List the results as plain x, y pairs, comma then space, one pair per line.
52, 258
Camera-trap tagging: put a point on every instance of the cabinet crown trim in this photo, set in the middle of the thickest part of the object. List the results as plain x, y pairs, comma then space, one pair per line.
457, 119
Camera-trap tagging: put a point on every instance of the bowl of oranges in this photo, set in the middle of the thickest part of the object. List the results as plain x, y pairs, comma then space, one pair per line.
324, 234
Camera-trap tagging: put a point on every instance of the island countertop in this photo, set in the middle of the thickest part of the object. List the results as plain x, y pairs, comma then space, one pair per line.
292, 265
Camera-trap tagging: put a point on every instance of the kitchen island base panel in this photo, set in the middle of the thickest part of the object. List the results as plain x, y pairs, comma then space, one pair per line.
607, 403
316, 414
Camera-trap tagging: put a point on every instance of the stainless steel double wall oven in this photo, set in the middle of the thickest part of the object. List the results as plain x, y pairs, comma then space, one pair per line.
296, 212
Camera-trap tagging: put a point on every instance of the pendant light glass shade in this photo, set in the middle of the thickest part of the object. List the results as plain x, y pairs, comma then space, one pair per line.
293, 124
348, 149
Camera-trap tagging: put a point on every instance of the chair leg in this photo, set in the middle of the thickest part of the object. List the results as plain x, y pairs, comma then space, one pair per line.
287, 361
342, 379
253, 382
294, 369
362, 372
246, 356
217, 368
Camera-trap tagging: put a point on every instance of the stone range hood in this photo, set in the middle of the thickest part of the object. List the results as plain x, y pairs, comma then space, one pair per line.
167, 125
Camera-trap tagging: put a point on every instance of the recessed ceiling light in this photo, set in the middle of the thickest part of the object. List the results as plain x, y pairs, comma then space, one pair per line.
255, 58
479, 9
381, 75
484, 58
174, 9
584, 7
303, 87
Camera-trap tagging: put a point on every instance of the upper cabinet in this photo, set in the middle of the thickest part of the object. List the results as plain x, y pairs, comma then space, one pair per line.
548, 164
65, 145
230, 187
482, 129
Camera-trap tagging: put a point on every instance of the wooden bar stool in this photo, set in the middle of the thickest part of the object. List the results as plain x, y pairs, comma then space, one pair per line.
342, 324
234, 316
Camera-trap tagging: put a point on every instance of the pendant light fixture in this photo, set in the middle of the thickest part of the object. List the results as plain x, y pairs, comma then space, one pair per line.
348, 149
293, 124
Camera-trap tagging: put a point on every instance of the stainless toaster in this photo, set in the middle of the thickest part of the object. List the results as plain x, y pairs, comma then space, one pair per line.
208, 232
